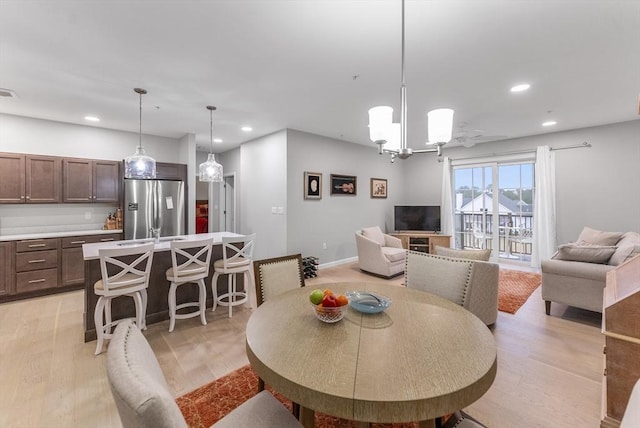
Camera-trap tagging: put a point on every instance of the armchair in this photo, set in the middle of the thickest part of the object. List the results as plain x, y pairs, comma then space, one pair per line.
378, 253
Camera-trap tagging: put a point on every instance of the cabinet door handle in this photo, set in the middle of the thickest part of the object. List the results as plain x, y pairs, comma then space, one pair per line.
37, 261
28, 197
36, 245
33, 281
78, 242
106, 239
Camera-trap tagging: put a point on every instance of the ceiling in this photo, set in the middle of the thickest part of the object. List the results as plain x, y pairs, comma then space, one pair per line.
319, 65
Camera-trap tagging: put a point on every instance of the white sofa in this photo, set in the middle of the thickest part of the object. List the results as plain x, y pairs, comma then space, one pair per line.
378, 253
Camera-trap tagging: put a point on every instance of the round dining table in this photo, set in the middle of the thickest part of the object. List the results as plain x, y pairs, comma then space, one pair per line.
421, 358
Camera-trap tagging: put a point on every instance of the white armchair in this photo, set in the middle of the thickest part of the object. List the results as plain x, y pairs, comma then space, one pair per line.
378, 253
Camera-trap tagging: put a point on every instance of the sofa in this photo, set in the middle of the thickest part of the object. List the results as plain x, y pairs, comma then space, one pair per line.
576, 274
379, 253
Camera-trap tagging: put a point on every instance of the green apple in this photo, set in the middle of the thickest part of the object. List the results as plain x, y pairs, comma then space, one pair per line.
316, 297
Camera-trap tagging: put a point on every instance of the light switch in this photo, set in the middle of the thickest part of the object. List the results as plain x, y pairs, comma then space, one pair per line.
280, 210
274, 210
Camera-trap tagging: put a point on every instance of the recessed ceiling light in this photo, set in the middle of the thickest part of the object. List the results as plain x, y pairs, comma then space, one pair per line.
247, 128
549, 123
521, 87
217, 140
92, 118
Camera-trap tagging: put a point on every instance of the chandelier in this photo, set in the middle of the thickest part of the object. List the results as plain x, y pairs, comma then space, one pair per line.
211, 170
391, 137
140, 165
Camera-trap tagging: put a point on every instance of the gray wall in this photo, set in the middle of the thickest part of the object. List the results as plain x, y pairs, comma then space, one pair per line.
334, 219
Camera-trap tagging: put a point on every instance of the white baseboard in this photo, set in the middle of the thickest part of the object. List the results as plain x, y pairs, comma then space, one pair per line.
338, 262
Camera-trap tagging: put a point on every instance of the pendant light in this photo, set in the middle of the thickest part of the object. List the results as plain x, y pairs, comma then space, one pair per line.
140, 165
211, 170
391, 137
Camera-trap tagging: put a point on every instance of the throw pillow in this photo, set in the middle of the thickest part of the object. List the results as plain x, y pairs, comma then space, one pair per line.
482, 255
374, 233
598, 237
585, 253
624, 253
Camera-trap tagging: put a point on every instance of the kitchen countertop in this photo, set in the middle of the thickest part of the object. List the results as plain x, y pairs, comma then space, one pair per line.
58, 234
90, 251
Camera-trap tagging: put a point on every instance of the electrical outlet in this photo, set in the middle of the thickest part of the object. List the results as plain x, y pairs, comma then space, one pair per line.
324, 245
87, 215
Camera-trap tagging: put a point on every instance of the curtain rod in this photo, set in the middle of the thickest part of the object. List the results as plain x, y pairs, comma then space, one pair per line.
519, 152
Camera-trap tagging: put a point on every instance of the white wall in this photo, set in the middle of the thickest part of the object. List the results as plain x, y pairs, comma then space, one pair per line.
262, 186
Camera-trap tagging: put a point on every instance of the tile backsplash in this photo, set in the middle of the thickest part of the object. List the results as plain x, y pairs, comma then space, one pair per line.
18, 219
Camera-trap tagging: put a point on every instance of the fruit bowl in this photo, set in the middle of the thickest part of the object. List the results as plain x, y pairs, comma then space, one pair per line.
329, 314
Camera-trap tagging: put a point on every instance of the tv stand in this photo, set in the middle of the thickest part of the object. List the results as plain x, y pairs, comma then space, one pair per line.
424, 242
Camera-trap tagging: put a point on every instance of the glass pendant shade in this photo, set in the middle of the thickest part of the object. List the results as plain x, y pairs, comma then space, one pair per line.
380, 119
211, 170
140, 165
393, 137
440, 126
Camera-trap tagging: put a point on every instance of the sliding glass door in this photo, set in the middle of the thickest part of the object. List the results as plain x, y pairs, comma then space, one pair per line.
493, 206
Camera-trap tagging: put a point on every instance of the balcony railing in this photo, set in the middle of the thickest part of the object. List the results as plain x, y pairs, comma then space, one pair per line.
512, 238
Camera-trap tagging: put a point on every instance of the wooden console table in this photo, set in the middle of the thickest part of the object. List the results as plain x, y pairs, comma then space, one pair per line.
424, 242
621, 327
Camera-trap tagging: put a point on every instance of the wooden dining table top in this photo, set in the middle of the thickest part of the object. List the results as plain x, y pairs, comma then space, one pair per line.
423, 357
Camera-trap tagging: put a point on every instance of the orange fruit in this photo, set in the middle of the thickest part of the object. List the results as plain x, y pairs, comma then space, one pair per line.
327, 292
342, 300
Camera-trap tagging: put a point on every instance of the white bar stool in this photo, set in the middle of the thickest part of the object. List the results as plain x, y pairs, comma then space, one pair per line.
237, 257
121, 279
190, 263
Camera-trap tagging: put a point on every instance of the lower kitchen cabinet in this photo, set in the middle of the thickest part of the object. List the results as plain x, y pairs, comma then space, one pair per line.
7, 268
72, 260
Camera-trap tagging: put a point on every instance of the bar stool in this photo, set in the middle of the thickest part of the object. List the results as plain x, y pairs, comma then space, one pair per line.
121, 279
237, 253
189, 263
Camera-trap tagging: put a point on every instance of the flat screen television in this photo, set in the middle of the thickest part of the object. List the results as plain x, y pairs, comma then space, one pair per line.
417, 217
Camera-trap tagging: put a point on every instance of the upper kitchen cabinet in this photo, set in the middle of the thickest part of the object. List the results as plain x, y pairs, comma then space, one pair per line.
29, 179
86, 180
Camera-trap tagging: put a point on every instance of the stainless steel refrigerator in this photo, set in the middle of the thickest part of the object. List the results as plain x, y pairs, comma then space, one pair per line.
153, 204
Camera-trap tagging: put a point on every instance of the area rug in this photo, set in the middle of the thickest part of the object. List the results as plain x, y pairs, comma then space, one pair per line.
514, 289
209, 403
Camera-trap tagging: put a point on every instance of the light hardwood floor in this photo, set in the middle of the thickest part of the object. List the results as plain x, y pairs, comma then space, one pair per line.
549, 368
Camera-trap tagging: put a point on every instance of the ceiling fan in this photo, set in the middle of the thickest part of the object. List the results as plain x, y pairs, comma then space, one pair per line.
469, 137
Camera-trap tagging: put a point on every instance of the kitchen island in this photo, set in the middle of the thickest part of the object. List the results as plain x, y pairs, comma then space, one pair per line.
157, 304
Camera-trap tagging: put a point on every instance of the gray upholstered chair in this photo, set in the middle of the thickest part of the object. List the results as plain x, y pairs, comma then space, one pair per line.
143, 398
379, 253
472, 284
631, 417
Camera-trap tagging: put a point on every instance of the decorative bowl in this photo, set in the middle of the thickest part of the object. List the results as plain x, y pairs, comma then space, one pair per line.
329, 314
368, 302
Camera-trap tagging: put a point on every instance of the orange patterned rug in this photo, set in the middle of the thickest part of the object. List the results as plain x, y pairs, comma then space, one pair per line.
209, 403
514, 289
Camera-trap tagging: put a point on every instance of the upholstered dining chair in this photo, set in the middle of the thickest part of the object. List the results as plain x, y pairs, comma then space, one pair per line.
120, 278
273, 277
237, 258
190, 262
143, 398
472, 284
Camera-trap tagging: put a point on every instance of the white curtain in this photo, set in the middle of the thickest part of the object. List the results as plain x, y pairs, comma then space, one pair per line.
544, 215
446, 204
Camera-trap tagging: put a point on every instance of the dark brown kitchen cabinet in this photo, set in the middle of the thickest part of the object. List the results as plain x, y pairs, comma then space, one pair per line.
29, 179
72, 258
7, 269
36, 264
87, 180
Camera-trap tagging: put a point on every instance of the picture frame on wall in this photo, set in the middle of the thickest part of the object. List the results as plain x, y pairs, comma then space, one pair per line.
312, 185
344, 184
379, 188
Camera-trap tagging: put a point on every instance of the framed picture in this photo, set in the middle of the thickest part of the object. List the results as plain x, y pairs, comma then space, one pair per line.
343, 184
378, 187
312, 185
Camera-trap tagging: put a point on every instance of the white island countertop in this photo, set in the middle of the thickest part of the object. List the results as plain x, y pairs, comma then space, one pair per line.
90, 251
